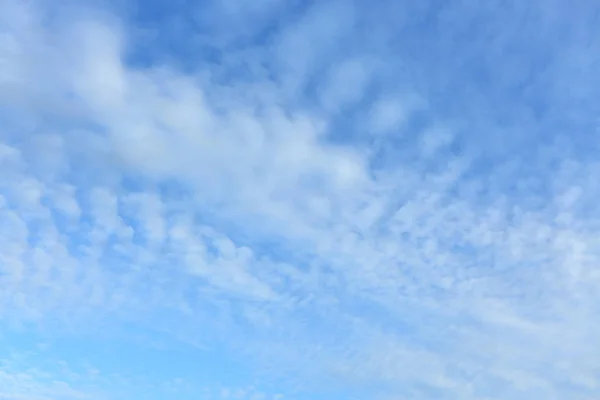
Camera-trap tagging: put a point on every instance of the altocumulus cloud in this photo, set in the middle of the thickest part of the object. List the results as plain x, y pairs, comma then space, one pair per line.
392, 200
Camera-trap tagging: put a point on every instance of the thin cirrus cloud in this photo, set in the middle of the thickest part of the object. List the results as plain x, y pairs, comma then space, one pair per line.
314, 199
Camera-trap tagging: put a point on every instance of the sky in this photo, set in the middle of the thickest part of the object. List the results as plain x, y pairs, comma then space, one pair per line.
299, 200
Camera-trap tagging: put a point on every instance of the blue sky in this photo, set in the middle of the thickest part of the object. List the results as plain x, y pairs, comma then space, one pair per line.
289, 200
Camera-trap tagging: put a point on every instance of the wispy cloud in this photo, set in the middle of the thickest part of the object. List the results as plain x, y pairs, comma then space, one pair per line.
395, 201
34, 384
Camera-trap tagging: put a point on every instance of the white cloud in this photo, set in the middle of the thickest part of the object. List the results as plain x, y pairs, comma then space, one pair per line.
387, 114
35, 385
347, 83
447, 269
